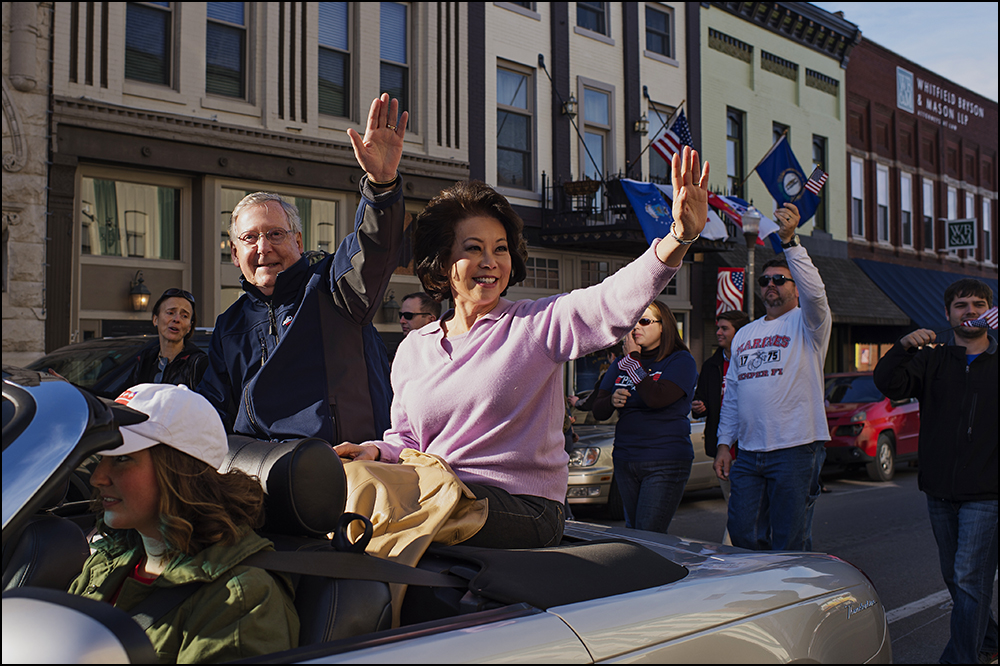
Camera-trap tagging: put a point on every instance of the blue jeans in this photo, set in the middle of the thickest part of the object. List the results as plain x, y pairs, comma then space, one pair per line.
773, 495
651, 491
966, 535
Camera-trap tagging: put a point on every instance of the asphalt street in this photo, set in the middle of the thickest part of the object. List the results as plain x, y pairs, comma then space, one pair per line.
882, 528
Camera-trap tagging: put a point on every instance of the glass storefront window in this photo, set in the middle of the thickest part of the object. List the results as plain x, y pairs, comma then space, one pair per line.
123, 219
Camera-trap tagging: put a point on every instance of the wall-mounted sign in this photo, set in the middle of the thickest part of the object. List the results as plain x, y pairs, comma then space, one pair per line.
960, 234
904, 89
942, 106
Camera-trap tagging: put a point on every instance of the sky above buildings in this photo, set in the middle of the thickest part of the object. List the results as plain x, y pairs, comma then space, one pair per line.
957, 40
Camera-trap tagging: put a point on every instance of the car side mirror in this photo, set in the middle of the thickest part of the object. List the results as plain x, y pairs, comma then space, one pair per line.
899, 403
90, 631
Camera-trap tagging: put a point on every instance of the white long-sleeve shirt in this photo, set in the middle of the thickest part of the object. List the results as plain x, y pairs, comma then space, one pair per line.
774, 386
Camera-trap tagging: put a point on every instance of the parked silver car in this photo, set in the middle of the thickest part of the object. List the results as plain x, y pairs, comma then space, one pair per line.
592, 469
603, 595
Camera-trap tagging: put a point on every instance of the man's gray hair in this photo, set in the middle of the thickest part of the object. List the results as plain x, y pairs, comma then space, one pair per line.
259, 199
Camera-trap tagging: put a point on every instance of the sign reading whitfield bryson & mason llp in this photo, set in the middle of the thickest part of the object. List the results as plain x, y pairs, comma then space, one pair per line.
935, 103
960, 234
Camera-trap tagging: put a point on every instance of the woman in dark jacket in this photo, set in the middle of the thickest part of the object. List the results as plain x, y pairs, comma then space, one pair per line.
173, 359
651, 387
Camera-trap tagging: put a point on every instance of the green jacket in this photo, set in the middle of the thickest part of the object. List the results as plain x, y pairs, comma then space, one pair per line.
240, 611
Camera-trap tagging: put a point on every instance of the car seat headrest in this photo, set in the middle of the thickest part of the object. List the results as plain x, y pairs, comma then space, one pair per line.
304, 482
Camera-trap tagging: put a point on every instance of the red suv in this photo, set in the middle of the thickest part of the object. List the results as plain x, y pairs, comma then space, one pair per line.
868, 428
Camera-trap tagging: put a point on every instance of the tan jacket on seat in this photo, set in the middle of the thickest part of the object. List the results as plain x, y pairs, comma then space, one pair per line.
411, 504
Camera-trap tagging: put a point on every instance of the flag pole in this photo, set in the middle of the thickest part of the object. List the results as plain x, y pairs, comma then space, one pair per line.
766, 155
666, 123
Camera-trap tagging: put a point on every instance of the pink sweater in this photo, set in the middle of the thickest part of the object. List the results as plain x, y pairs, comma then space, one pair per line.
490, 402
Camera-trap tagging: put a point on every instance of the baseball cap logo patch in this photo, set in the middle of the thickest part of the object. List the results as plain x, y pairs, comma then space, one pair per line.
125, 397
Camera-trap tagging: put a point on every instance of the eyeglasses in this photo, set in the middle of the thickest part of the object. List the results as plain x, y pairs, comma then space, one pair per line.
274, 237
410, 315
778, 280
646, 321
174, 291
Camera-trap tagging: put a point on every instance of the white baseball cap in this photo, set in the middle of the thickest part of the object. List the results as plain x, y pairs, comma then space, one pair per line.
178, 417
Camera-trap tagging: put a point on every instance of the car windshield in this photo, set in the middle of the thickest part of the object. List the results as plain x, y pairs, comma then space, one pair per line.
84, 367
859, 388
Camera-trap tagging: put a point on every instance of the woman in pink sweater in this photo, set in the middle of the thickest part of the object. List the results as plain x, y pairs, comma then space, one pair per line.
483, 388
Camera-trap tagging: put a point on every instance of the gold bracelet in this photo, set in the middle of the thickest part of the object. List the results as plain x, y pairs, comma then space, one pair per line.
386, 183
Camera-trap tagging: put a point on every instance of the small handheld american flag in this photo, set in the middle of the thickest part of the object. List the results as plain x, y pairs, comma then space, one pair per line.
816, 181
988, 320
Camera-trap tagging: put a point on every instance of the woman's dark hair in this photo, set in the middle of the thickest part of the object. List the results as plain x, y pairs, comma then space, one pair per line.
670, 337
199, 507
434, 233
174, 292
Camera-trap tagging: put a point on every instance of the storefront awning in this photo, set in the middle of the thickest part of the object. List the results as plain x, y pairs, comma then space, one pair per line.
919, 292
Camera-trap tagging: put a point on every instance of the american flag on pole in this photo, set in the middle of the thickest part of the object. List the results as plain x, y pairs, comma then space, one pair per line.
816, 181
988, 320
673, 138
729, 290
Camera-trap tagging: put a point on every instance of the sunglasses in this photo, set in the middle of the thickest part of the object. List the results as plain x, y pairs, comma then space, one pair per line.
778, 280
410, 315
174, 291
646, 321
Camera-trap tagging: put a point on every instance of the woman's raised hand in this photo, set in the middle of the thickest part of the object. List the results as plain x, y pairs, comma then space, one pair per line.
690, 183
381, 148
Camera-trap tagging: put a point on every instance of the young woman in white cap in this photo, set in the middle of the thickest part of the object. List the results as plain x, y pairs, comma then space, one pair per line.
169, 518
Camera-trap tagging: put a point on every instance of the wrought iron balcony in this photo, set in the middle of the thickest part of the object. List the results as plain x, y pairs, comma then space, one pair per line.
596, 215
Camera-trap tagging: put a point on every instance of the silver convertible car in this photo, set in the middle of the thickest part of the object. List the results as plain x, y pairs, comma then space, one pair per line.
604, 595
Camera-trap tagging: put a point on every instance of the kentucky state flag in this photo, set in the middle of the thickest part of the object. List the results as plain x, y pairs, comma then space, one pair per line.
786, 181
650, 207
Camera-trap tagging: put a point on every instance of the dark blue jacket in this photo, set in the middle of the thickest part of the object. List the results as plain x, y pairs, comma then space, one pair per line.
306, 361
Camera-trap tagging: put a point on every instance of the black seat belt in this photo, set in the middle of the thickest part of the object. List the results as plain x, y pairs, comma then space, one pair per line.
329, 564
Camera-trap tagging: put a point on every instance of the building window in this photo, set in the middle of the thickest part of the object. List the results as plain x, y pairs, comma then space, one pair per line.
906, 209
334, 64
225, 49
593, 272
819, 160
659, 168
857, 198
928, 215
393, 45
515, 129
735, 149
148, 37
987, 230
596, 153
659, 31
970, 213
778, 130
592, 16
542, 273
952, 211
882, 203
123, 219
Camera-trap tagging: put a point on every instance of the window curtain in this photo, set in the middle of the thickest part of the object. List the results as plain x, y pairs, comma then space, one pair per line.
305, 215
167, 207
106, 203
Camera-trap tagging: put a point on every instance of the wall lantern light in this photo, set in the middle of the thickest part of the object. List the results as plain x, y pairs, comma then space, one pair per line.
642, 125
569, 106
390, 308
138, 293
